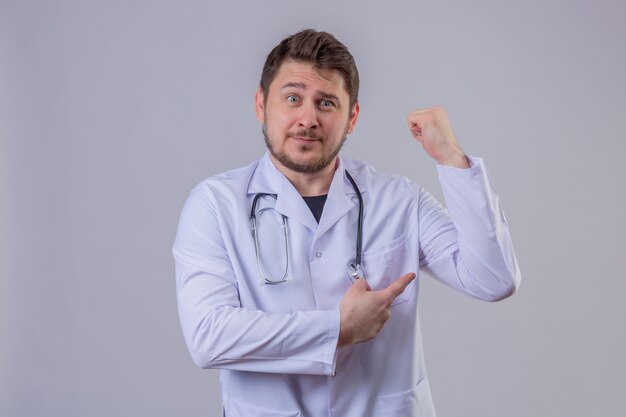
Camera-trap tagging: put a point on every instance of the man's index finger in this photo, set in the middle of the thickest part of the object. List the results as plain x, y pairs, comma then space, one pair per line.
397, 287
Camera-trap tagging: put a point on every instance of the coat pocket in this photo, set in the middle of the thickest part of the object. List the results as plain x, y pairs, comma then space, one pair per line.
388, 263
239, 409
414, 402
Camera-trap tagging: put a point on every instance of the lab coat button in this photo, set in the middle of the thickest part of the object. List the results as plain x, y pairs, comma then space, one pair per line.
318, 255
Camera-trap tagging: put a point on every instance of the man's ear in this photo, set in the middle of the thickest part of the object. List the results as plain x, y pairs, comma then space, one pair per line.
354, 115
259, 105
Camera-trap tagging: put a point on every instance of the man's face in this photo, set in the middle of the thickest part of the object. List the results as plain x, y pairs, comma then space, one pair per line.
306, 116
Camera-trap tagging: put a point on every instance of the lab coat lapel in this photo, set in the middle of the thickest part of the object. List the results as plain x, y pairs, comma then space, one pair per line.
291, 204
268, 179
341, 199
341, 195
265, 178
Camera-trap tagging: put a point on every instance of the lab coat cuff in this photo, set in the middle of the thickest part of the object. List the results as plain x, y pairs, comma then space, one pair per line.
333, 331
476, 169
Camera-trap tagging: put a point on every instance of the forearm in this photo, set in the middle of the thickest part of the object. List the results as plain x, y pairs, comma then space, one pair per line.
221, 334
478, 257
219, 331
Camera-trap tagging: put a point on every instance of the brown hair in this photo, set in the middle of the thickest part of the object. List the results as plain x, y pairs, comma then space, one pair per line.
322, 50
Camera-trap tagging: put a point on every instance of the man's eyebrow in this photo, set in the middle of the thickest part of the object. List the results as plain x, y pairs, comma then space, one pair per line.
328, 96
302, 86
296, 85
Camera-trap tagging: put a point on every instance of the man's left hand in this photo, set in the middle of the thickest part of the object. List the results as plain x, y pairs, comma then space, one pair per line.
432, 129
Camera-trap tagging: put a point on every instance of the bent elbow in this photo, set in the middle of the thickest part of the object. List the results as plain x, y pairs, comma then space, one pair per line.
202, 360
506, 289
202, 339
505, 292
204, 356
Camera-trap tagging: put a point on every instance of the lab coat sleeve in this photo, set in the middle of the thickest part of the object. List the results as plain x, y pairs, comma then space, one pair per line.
220, 333
470, 248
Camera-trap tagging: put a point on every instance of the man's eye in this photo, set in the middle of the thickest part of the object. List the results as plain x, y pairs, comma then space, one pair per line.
327, 103
292, 99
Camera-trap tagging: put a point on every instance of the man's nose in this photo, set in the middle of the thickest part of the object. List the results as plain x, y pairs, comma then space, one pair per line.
308, 116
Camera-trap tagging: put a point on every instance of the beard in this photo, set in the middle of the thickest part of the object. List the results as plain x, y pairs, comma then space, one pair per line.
326, 157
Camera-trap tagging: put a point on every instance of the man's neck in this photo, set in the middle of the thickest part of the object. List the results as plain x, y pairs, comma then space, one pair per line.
309, 184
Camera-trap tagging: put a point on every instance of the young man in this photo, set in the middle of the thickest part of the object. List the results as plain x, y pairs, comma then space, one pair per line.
315, 312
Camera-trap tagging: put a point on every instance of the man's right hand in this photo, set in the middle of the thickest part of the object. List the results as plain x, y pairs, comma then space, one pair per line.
363, 312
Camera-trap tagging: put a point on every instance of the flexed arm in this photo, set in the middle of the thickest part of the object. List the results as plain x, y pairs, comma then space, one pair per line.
469, 247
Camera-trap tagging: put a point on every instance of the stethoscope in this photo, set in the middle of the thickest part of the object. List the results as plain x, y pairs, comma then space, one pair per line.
355, 269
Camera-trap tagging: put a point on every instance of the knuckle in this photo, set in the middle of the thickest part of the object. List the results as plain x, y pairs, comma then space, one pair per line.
386, 316
389, 299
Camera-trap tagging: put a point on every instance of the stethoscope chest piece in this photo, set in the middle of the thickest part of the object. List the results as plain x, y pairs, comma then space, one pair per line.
355, 271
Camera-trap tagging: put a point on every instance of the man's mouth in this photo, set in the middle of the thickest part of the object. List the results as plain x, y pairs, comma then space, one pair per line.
306, 138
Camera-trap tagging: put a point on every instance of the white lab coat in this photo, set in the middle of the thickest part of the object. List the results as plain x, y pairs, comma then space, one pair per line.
276, 344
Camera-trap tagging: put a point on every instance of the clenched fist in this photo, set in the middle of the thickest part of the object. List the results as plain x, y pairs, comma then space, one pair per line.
432, 129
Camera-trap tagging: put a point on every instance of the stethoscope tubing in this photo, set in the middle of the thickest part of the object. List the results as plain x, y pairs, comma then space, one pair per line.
354, 268
359, 228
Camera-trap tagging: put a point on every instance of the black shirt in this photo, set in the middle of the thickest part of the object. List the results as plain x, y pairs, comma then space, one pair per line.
316, 204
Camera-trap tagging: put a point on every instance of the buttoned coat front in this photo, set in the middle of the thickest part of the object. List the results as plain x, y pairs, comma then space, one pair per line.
277, 344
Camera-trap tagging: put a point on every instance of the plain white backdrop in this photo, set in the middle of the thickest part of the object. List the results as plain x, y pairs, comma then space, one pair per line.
111, 111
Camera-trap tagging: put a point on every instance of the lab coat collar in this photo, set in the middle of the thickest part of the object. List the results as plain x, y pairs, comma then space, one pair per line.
265, 178
341, 195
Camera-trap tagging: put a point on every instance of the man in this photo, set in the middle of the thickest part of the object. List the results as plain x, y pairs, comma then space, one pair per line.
304, 317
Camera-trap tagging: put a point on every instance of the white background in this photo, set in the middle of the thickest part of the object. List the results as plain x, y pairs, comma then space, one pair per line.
111, 111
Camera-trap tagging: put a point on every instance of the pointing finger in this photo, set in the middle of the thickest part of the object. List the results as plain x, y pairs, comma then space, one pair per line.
397, 287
